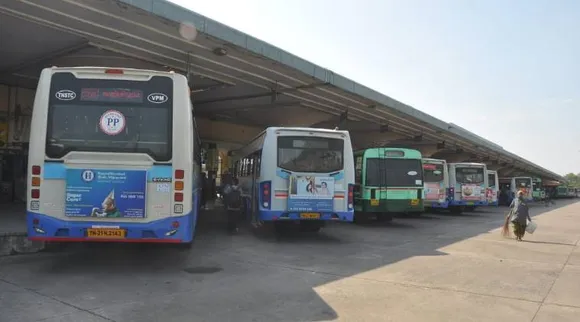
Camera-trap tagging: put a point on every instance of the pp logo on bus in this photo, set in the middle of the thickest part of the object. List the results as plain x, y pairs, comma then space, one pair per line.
112, 122
88, 175
157, 98
65, 95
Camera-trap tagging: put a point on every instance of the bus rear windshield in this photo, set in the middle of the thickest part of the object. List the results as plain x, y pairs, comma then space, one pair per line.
491, 180
469, 175
310, 154
522, 183
433, 172
99, 115
385, 172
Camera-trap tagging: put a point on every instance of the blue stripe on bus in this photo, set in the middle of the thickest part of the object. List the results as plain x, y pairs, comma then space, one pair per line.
284, 174
58, 171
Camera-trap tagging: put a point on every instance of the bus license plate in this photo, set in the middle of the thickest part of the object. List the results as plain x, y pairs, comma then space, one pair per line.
374, 202
105, 233
469, 203
414, 202
309, 215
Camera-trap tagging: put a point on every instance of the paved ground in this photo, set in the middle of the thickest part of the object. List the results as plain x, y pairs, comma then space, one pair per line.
12, 218
436, 268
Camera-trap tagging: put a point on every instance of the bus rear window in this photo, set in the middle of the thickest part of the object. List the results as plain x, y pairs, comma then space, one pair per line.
522, 183
491, 180
100, 115
433, 172
385, 172
469, 175
310, 154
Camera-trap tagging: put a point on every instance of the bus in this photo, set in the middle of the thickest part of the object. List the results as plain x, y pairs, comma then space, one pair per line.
114, 156
389, 180
467, 186
436, 177
492, 193
523, 184
298, 175
538, 191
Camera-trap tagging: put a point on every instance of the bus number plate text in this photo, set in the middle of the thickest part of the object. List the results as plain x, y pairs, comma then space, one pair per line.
309, 215
374, 202
105, 233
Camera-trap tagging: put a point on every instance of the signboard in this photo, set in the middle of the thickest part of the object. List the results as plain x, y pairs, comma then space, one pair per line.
105, 193
111, 95
470, 192
310, 193
432, 191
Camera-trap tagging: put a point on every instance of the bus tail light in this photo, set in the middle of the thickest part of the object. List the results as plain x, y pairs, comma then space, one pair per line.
35, 181
114, 71
266, 194
178, 185
178, 197
179, 174
350, 196
451, 193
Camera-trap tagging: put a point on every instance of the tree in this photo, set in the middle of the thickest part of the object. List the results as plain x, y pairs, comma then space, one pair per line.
573, 179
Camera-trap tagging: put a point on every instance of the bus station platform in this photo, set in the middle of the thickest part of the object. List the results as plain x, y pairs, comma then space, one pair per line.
439, 267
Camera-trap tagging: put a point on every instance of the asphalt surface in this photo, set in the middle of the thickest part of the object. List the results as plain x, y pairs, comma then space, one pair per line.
433, 268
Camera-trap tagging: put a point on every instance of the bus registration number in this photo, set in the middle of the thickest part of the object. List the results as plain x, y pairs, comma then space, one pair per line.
105, 233
414, 202
374, 202
309, 215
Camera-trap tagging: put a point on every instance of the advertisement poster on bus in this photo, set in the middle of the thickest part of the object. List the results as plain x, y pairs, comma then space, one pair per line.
310, 193
105, 193
432, 191
490, 195
470, 192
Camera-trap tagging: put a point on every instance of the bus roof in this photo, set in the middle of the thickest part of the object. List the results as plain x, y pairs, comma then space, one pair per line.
95, 69
304, 129
434, 160
468, 163
374, 152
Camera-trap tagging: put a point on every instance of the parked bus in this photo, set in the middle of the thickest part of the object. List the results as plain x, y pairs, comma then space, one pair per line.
538, 191
114, 156
523, 184
561, 191
292, 174
389, 180
436, 177
492, 194
467, 186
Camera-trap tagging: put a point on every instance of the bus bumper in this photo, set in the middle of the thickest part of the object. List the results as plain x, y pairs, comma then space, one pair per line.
493, 203
436, 204
177, 229
390, 206
266, 215
467, 203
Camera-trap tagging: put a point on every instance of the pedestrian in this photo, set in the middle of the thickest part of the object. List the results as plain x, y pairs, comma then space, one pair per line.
203, 190
518, 216
233, 204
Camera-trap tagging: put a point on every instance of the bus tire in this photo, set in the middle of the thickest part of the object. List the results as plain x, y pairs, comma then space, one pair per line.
385, 217
456, 210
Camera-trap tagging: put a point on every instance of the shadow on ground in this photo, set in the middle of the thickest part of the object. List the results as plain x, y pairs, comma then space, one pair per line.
245, 277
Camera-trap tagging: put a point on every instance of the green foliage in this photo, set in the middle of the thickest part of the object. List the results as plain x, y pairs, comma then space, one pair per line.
573, 179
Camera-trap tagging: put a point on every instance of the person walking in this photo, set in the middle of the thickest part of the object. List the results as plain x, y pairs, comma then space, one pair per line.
518, 216
233, 204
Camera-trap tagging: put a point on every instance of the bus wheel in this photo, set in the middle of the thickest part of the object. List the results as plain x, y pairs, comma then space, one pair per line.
361, 217
384, 217
456, 210
311, 226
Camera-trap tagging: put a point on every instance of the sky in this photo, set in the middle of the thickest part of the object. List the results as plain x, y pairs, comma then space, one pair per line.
508, 71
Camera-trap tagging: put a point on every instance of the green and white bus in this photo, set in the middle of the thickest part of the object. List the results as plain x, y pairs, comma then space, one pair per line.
388, 180
538, 192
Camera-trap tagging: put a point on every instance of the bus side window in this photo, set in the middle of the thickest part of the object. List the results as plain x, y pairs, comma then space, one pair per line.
358, 170
258, 162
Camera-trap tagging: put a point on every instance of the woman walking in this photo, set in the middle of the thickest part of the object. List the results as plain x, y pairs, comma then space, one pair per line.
518, 216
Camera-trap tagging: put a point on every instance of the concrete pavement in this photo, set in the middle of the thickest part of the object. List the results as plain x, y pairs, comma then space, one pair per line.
435, 268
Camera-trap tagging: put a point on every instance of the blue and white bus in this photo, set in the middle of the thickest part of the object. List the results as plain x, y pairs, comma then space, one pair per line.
114, 156
467, 186
303, 175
